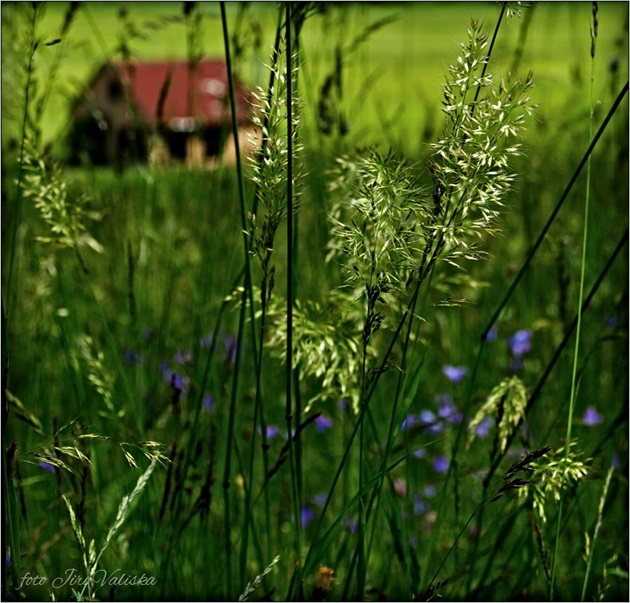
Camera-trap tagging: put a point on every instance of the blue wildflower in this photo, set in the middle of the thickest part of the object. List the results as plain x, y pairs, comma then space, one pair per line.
230, 349
454, 373
440, 464
592, 417
350, 523
131, 357
420, 506
420, 453
307, 515
272, 432
520, 342
323, 423
429, 491
342, 405
492, 333
205, 342
611, 322
164, 370
177, 381
184, 357
48, 467
320, 499
429, 420
408, 421
208, 402
7, 558
426, 417
447, 409
483, 429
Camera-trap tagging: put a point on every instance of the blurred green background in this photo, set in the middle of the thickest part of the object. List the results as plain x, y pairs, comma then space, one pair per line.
391, 80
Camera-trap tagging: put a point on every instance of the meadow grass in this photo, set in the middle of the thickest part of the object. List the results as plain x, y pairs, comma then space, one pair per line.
316, 375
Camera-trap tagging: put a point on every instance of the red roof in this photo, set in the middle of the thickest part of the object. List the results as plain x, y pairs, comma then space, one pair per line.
200, 94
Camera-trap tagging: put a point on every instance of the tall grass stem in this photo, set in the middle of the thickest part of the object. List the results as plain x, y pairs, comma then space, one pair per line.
578, 331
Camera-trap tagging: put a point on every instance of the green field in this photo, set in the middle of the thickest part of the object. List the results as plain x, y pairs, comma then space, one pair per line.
391, 82
437, 371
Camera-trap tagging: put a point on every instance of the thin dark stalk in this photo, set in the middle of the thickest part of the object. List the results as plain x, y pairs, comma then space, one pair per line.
294, 288
289, 350
518, 53
12, 525
248, 290
494, 37
554, 213
228, 451
258, 406
400, 386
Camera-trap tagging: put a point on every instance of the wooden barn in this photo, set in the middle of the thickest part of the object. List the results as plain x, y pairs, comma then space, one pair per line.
157, 111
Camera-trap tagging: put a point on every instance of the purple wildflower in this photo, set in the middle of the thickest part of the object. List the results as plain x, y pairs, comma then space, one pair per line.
454, 373
48, 467
307, 515
350, 523
592, 417
420, 453
320, 499
323, 423
611, 322
230, 349
208, 402
177, 381
440, 464
205, 342
408, 421
184, 357
492, 333
419, 505
447, 409
164, 370
272, 431
426, 417
615, 461
342, 405
429, 491
483, 429
131, 357
429, 420
7, 558
520, 342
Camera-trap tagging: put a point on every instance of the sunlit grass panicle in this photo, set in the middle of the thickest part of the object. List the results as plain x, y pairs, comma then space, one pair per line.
90, 556
251, 587
506, 404
269, 166
98, 374
552, 474
326, 344
65, 214
380, 223
470, 165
